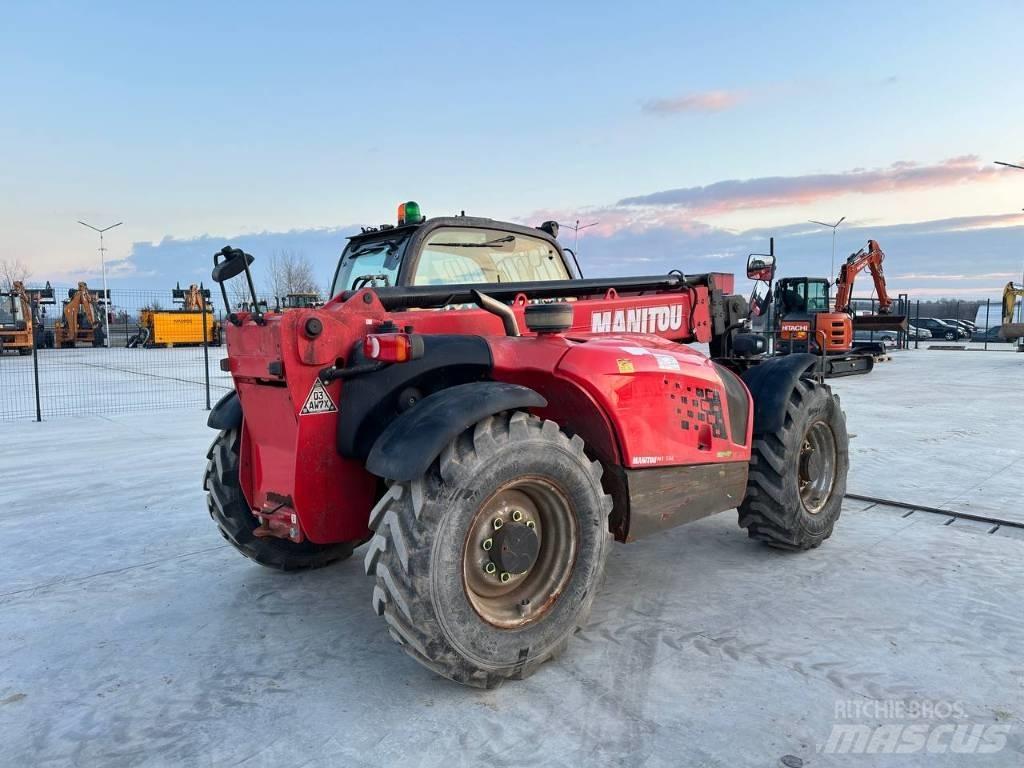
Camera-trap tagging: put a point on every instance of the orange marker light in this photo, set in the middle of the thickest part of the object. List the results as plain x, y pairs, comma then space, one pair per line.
393, 347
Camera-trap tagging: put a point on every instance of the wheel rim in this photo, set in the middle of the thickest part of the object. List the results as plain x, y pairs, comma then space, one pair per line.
519, 553
817, 470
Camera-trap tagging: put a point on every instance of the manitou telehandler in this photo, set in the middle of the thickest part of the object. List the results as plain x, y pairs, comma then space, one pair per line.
21, 318
81, 318
489, 424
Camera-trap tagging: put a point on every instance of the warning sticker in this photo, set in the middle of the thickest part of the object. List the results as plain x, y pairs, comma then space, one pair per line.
625, 366
667, 362
318, 401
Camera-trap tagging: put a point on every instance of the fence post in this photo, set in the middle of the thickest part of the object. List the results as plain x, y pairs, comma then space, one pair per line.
988, 304
206, 356
35, 370
917, 338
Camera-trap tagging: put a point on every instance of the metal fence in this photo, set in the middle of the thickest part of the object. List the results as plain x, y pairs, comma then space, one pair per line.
116, 368
125, 373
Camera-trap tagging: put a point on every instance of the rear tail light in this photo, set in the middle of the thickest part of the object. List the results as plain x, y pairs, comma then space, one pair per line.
393, 347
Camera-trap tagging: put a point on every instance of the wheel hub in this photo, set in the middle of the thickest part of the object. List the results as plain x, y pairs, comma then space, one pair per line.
519, 552
515, 548
816, 469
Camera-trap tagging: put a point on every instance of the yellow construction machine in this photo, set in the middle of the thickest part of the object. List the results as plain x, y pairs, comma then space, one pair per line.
179, 327
21, 318
81, 319
1013, 315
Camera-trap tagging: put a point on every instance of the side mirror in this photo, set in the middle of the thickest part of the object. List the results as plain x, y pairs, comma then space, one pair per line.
761, 266
234, 263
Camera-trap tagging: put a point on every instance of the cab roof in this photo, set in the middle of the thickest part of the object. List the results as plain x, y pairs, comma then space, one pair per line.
454, 221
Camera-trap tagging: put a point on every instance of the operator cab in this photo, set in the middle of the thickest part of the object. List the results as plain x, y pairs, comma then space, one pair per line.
11, 314
448, 251
802, 295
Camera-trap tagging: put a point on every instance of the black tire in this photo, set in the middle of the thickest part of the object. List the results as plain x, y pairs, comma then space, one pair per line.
423, 550
230, 511
950, 336
25, 351
782, 507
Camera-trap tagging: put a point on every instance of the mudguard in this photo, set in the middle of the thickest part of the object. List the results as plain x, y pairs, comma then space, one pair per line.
406, 448
227, 413
770, 383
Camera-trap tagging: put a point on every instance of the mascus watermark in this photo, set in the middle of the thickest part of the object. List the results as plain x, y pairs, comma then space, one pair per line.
909, 726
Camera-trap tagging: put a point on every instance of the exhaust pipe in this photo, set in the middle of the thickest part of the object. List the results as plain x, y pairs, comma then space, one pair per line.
495, 307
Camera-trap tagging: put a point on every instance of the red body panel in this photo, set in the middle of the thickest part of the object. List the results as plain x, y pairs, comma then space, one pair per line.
629, 397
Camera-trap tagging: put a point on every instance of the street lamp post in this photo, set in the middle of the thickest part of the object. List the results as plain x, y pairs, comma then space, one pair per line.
103, 269
833, 227
1019, 168
576, 232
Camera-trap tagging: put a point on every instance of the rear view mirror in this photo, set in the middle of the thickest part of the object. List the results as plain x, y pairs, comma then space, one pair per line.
234, 263
761, 266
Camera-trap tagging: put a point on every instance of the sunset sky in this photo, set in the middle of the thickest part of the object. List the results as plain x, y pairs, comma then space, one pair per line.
689, 133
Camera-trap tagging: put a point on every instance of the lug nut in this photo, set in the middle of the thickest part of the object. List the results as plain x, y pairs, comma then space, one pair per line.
497, 523
488, 543
517, 515
490, 567
505, 576
530, 524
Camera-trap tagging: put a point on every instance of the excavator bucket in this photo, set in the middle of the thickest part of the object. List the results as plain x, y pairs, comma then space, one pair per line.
879, 322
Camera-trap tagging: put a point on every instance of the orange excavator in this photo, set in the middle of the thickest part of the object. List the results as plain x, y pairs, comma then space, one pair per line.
82, 319
806, 322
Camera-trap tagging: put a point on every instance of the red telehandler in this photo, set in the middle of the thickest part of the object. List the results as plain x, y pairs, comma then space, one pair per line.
490, 423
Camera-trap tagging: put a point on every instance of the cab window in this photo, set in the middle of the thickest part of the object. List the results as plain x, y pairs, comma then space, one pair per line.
369, 264
454, 255
817, 297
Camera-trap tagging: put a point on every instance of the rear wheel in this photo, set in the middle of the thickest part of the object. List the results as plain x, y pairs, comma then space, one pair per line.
236, 522
798, 473
487, 564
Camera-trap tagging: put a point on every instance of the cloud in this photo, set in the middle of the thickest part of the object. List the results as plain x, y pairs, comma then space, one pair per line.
776, 191
701, 101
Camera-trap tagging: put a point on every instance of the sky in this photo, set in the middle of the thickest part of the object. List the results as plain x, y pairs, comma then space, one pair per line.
690, 132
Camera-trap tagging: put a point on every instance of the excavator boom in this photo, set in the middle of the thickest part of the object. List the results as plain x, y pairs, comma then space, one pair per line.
871, 258
1012, 328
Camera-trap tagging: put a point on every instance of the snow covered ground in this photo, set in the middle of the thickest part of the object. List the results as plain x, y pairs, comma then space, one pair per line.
130, 634
940, 428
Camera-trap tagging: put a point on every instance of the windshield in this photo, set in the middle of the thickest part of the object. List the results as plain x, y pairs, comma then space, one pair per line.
369, 263
454, 255
10, 310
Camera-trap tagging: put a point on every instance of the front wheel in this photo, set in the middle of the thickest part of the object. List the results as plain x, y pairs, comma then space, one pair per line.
487, 564
798, 473
231, 512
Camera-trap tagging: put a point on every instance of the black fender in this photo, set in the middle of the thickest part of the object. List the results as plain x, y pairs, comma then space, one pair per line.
770, 383
227, 413
408, 445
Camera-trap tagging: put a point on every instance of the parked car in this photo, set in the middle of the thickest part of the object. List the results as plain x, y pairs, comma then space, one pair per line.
920, 334
941, 330
885, 338
965, 325
991, 336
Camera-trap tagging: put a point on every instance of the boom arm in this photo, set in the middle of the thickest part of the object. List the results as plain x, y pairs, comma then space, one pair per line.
872, 259
83, 301
1010, 295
